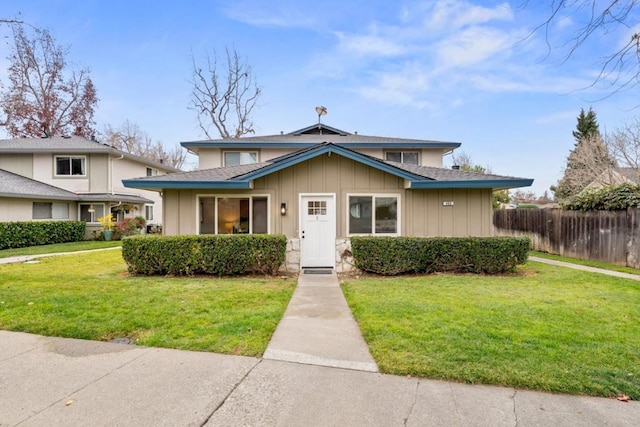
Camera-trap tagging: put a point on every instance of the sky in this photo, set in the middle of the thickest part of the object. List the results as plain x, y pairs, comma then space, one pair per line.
472, 72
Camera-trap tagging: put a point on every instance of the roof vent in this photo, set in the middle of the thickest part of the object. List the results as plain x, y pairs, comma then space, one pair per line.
281, 132
455, 167
66, 137
355, 133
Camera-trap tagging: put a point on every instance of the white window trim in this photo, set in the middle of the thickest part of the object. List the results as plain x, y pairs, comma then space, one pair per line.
70, 156
232, 196
95, 216
373, 225
257, 153
402, 153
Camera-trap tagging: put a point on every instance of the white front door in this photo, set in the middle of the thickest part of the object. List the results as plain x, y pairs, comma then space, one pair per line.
317, 230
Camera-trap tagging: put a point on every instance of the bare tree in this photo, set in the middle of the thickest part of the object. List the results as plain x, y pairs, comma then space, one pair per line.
224, 99
464, 162
588, 162
44, 97
621, 67
624, 145
131, 139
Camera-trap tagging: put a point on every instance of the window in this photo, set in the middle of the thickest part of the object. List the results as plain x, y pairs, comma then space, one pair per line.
87, 216
235, 158
408, 157
148, 213
234, 215
48, 210
71, 166
373, 214
152, 172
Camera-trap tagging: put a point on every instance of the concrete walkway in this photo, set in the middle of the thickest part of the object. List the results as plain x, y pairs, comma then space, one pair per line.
25, 258
318, 329
585, 268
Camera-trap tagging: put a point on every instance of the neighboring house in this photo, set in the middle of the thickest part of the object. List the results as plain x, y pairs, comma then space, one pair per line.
616, 176
76, 179
320, 185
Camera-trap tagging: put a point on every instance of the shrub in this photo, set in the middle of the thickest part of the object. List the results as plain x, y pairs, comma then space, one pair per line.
27, 233
609, 198
403, 255
205, 254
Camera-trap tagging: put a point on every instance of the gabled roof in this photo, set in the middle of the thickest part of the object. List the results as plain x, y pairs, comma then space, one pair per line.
317, 134
631, 174
20, 187
72, 145
242, 177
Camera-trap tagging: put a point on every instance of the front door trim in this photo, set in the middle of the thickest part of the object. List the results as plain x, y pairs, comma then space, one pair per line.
330, 236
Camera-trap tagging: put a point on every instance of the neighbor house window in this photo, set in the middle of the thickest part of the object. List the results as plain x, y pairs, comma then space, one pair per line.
152, 172
71, 165
408, 157
148, 213
235, 158
48, 210
234, 215
86, 213
373, 214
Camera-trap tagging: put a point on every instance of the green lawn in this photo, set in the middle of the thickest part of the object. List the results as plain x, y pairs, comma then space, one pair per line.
90, 296
589, 263
549, 328
58, 248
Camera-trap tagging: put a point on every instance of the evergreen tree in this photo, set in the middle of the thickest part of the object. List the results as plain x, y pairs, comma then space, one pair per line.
588, 160
587, 126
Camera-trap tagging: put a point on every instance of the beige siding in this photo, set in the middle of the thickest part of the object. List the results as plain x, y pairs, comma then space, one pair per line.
98, 170
20, 164
14, 209
209, 158
422, 212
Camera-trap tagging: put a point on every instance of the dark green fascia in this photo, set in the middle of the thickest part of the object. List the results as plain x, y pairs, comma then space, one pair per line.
493, 183
214, 185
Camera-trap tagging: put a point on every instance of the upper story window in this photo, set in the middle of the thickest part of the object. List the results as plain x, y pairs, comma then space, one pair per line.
408, 157
152, 172
235, 158
71, 165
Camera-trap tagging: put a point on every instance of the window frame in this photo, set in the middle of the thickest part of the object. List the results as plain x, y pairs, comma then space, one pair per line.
225, 152
52, 210
374, 196
148, 212
94, 216
152, 172
402, 154
71, 174
199, 212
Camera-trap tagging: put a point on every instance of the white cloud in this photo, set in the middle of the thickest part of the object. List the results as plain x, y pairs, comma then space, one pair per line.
369, 45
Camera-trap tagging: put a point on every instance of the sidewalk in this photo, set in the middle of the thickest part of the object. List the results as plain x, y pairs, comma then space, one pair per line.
586, 268
25, 258
64, 382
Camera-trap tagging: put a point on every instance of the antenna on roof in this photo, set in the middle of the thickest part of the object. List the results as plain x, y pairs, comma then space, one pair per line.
321, 112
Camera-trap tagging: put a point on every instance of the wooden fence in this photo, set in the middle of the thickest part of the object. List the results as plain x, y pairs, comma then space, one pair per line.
608, 236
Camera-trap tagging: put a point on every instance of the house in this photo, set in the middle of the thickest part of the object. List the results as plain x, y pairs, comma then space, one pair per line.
616, 176
320, 185
76, 179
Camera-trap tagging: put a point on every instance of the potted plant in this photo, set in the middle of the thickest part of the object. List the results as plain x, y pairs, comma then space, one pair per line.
107, 222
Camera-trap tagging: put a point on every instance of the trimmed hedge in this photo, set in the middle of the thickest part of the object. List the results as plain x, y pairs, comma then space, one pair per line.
405, 255
35, 233
222, 255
